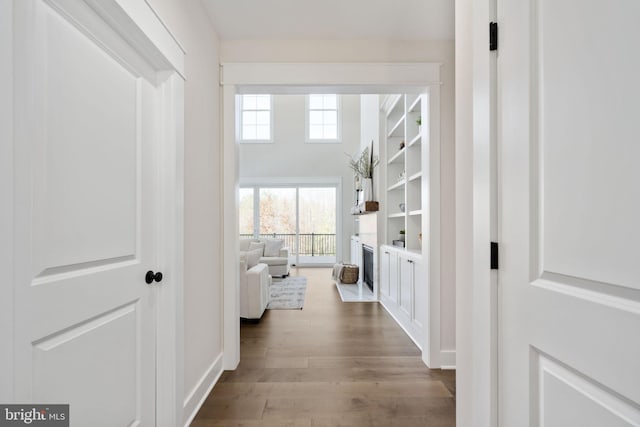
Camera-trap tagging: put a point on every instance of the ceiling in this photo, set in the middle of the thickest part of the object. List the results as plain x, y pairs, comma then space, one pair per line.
332, 19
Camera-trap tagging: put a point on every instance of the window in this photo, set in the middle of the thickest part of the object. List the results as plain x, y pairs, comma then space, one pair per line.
247, 219
323, 118
256, 123
304, 216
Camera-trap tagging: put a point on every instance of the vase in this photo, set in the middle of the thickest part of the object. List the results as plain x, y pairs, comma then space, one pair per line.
367, 189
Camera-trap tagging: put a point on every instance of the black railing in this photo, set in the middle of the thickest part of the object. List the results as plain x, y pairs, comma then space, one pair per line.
311, 244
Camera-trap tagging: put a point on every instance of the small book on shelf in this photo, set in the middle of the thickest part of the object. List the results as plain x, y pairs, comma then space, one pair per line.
399, 243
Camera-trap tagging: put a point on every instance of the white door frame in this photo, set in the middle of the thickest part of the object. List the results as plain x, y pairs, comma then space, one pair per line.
303, 78
137, 23
476, 216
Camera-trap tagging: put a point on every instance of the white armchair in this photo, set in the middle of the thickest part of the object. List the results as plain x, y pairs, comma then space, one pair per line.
254, 289
274, 254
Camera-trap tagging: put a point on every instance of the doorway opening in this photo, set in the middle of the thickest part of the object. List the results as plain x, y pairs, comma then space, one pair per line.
301, 79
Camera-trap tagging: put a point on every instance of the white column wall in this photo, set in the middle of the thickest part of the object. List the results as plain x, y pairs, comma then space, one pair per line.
203, 345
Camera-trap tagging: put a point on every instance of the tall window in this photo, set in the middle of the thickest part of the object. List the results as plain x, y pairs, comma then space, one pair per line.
323, 118
256, 118
305, 217
247, 216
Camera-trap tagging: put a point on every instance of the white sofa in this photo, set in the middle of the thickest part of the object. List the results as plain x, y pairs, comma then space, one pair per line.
254, 289
274, 254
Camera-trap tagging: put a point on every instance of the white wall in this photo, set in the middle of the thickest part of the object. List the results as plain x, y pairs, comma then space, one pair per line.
290, 156
202, 288
385, 51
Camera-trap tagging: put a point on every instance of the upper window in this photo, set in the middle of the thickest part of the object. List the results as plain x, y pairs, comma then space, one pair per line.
256, 118
323, 118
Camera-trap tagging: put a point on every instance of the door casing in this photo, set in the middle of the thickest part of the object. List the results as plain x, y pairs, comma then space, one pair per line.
301, 78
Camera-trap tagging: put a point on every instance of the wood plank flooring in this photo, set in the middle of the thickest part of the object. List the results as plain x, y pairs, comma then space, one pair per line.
331, 364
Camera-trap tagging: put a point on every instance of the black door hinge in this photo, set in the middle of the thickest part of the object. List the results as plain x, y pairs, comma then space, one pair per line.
494, 255
493, 36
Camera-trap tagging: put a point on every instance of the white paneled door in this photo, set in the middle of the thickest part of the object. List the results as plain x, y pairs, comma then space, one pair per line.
86, 203
569, 279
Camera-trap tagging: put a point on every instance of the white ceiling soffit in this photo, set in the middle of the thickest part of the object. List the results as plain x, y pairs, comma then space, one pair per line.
332, 19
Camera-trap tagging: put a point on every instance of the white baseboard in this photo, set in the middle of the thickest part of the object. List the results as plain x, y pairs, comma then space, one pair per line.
199, 393
391, 313
448, 359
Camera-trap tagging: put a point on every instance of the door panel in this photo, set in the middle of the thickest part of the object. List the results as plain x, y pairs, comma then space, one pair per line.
87, 180
569, 289
87, 183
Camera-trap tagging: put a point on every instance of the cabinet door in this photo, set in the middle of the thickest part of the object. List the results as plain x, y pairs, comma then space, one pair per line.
420, 294
393, 277
406, 285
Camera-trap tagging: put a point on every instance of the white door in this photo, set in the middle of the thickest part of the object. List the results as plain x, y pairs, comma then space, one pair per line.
569, 128
86, 186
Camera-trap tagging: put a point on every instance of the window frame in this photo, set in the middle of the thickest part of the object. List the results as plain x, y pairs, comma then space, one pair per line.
338, 138
240, 137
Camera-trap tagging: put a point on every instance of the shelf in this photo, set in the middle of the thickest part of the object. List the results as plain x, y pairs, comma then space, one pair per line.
417, 138
398, 157
398, 125
394, 104
397, 185
415, 176
416, 212
397, 215
415, 103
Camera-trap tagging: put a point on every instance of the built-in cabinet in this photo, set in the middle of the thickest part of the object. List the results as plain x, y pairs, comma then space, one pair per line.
407, 205
403, 166
403, 289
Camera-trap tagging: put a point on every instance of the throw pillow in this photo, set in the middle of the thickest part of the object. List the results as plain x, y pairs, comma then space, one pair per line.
257, 245
272, 247
253, 257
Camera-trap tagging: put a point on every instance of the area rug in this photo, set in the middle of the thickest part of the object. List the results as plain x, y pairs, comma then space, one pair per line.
288, 293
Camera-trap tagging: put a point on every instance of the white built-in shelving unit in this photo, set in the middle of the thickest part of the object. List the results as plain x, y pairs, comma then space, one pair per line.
404, 162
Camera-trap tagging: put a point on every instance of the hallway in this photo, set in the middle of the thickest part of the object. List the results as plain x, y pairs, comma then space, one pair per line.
330, 364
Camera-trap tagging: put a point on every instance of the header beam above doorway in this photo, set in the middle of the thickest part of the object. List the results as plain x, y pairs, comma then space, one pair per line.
354, 78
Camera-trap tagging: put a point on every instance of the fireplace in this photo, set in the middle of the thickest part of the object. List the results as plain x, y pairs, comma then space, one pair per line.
367, 266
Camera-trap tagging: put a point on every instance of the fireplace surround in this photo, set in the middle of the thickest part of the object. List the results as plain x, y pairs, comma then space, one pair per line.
367, 266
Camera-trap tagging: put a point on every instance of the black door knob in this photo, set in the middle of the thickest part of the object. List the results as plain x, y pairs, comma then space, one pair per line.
151, 276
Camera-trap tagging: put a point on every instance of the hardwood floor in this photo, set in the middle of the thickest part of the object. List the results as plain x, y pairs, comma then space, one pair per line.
331, 364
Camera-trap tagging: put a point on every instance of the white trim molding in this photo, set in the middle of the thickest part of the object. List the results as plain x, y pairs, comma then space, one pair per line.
338, 75
6, 207
447, 359
193, 402
304, 78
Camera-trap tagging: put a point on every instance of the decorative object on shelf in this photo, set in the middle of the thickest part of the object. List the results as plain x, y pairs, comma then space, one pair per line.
365, 207
401, 175
420, 239
358, 187
363, 167
367, 189
399, 243
402, 207
401, 235
419, 123
401, 146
